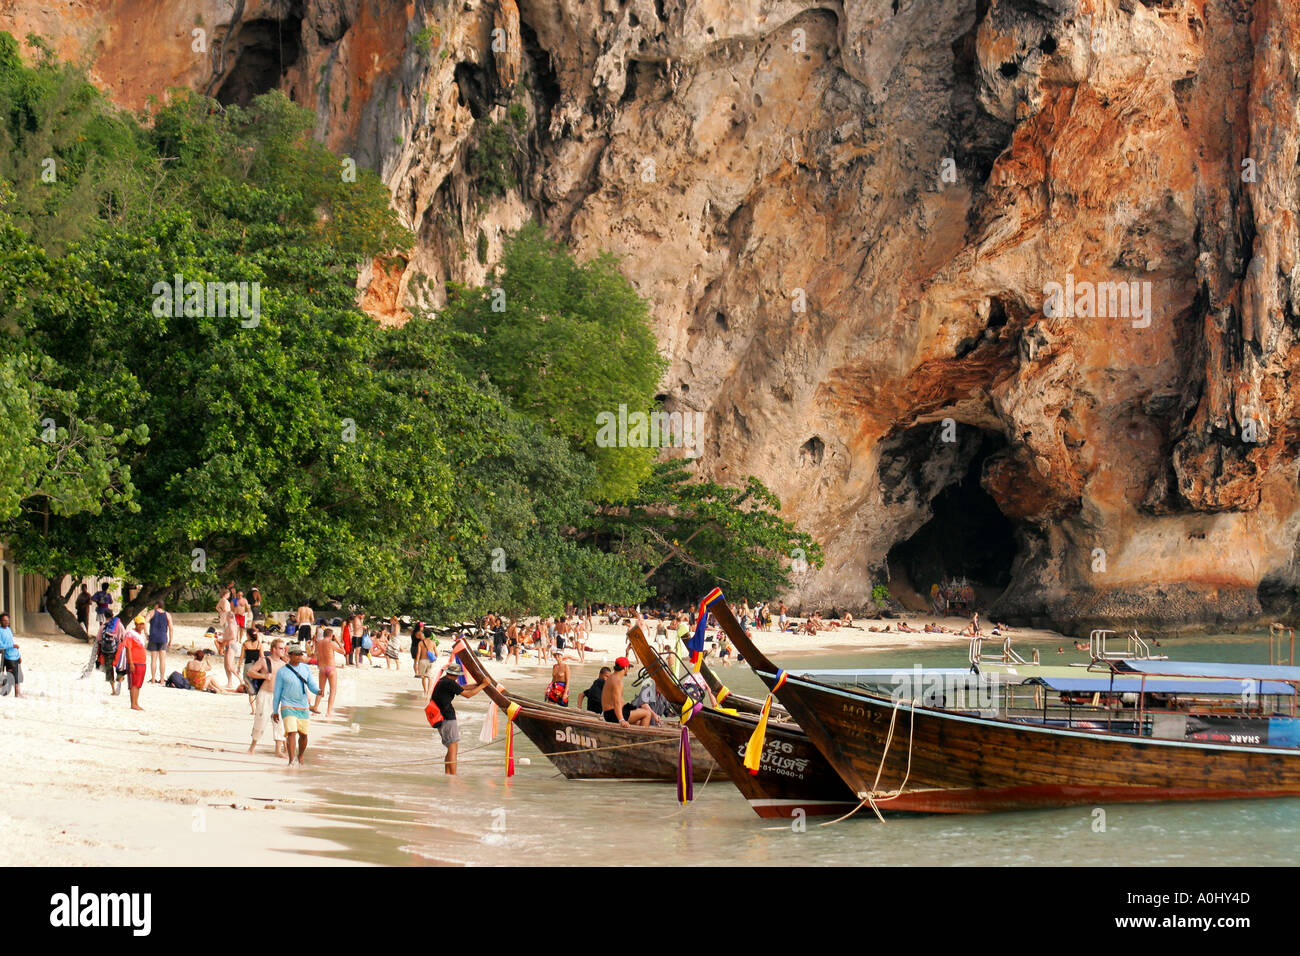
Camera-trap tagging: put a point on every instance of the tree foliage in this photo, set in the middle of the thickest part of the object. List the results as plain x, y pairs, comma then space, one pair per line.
565, 341
692, 535
447, 467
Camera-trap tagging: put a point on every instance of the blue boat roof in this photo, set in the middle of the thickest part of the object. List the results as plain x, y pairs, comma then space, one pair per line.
1155, 685
1210, 669
886, 672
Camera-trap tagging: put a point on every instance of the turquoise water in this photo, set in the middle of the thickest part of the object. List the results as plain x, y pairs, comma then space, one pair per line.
393, 805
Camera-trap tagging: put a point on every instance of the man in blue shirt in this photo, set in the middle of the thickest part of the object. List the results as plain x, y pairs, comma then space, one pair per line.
13, 662
290, 703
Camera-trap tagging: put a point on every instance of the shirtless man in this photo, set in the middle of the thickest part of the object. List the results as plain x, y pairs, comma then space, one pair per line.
558, 690
305, 614
611, 700
326, 645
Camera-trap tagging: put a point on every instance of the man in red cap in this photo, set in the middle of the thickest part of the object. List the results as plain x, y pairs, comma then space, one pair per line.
611, 700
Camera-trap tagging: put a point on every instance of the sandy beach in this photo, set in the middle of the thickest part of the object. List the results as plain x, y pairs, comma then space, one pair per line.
90, 782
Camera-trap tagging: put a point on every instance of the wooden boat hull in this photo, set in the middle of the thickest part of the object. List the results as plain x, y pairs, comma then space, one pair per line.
954, 763
915, 759
584, 746
794, 779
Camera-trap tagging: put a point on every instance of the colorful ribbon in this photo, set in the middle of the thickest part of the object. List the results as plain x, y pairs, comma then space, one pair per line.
511, 711
696, 644
754, 749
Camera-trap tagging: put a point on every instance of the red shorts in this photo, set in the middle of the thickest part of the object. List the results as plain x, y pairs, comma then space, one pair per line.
137, 676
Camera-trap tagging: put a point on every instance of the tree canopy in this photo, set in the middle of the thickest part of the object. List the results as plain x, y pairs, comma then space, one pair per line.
195, 396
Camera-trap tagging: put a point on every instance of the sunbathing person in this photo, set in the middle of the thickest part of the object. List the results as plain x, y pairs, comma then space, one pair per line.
197, 673
907, 629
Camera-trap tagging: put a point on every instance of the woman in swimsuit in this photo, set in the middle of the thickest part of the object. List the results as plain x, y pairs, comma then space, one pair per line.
252, 648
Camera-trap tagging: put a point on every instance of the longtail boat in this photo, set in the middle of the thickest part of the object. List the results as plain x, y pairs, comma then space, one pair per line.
584, 746
897, 755
793, 775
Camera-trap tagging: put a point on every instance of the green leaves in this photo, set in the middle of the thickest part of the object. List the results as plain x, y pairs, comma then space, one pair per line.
692, 535
565, 341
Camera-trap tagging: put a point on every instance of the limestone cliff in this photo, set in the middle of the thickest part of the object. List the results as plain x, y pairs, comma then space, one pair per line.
1004, 288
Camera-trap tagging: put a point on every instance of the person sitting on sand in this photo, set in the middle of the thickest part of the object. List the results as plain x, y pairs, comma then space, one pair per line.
848, 621
197, 673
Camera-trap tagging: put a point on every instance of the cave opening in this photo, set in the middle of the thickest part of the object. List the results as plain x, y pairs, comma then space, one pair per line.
263, 51
966, 536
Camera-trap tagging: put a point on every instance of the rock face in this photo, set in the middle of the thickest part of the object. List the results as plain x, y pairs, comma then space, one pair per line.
887, 242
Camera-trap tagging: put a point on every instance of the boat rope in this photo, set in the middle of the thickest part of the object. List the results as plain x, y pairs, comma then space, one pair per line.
873, 796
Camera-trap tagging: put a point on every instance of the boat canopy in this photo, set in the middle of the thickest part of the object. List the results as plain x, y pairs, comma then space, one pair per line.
1155, 685
1210, 669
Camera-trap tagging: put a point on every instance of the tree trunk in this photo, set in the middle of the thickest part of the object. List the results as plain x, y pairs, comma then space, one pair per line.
148, 594
67, 621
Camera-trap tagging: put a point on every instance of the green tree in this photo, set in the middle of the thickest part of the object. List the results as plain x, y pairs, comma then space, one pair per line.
691, 535
564, 341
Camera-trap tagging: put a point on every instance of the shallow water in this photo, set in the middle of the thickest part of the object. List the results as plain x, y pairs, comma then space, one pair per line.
395, 806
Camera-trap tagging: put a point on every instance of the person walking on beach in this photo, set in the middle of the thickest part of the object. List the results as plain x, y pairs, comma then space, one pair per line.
512, 641
13, 661
444, 694
289, 703
110, 636
251, 650
133, 647
160, 638
424, 663
417, 650
228, 634
327, 669
83, 610
262, 674
103, 604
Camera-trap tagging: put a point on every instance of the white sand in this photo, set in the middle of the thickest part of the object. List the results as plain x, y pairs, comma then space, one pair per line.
88, 781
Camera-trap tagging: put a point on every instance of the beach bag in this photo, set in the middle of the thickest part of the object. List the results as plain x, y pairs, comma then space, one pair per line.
433, 712
177, 679
122, 663
366, 643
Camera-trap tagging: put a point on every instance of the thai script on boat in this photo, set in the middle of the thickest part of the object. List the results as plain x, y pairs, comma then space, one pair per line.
938, 689
778, 756
570, 736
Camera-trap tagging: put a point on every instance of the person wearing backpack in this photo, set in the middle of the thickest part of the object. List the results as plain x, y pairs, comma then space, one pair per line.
289, 705
110, 636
